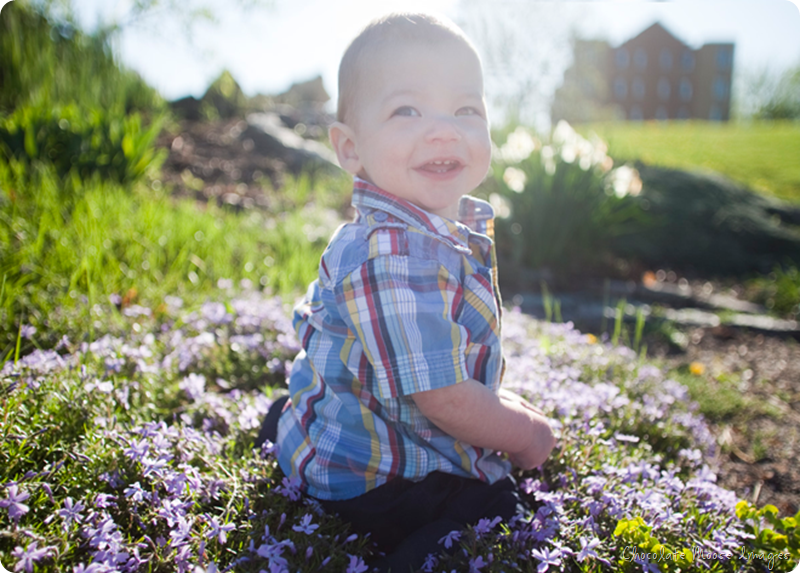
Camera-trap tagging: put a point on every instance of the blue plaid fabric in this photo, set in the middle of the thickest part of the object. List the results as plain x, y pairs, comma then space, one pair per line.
406, 301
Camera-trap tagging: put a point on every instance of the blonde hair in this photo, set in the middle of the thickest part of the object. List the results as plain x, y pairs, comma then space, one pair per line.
392, 28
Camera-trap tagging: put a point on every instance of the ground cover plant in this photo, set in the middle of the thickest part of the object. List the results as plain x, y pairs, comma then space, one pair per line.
133, 452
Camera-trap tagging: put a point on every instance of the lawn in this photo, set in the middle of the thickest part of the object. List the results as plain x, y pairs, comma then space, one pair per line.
762, 155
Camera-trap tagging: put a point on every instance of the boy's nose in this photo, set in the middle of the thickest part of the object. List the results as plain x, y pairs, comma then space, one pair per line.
442, 129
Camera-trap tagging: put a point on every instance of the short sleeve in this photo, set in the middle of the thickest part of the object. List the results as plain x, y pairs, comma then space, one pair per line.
402, 311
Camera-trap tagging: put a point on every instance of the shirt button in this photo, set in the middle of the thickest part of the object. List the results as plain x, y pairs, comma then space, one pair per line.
381, 216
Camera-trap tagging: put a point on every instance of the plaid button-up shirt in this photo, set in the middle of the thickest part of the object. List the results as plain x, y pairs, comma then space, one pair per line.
406, 301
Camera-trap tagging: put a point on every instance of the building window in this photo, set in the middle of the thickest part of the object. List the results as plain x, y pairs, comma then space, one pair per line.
622, 58
635, 113
685, 89
620, 88
640, 59
687, 61
637, 88
683, 112
661, 113
665, 59
724, 58
663, 88
720, 89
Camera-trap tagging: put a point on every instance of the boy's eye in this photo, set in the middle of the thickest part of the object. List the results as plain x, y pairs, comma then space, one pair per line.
406, 111
468, 111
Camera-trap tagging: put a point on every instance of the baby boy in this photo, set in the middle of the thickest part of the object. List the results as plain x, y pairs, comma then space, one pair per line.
395, 419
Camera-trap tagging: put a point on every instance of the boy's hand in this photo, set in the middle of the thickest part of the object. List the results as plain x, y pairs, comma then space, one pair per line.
542, 440
472, 413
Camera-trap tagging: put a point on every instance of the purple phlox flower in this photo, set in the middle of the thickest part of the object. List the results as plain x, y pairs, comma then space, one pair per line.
134, 561
305, 525
594, 484
113, 479
49, 491
136, 493
588, 548
194, 385
220, 531
27, 331
172, 510
485, 525
92, 568
161, 443
352, 537
249, 417
137, 450
275, 567
647, 566
546, 558
102, 386
431, 561
268, 448
149, 465
562, 549
13, 503
450, 538
183, 530
182, 555
290, 487
530, 485
272, 552
309, 552
476, 564
216, 313
356, 565
136, 310
30, 555
71, 512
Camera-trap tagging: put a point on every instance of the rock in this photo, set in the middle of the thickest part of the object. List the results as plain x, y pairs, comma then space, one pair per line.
186, 108
270, 137
310, 93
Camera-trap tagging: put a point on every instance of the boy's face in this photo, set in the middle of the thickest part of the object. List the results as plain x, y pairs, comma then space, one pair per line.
418, 127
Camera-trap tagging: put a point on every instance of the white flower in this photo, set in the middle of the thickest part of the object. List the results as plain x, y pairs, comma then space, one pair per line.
519, 145
548, 160
515, 179
624, 180
501, 205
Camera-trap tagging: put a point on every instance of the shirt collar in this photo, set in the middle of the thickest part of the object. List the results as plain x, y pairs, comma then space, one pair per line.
474, 214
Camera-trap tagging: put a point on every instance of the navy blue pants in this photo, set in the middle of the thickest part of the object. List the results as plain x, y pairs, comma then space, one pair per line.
407, 519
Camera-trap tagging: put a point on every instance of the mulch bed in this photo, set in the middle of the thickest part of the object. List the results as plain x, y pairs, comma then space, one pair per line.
759, 457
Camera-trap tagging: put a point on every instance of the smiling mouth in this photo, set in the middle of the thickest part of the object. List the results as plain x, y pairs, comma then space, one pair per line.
440, 166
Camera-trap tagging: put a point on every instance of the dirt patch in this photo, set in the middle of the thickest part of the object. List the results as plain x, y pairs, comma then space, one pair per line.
759, 455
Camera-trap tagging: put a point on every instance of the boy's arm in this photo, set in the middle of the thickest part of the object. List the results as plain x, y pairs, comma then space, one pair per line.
472, 413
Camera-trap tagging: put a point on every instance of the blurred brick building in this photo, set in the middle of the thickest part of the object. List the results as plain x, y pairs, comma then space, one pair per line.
651, 76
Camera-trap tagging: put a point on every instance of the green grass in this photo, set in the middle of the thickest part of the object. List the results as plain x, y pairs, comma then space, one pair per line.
761, 155
66, 245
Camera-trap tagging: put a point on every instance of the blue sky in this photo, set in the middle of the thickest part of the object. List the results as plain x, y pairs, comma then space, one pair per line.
293, 40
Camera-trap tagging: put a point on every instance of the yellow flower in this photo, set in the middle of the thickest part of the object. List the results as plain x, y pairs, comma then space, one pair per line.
591, 339
697, 368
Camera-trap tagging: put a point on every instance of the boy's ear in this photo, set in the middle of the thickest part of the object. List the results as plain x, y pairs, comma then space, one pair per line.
343, 139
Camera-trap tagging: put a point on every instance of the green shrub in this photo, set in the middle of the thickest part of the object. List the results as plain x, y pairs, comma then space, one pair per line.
560, 205
115, 147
